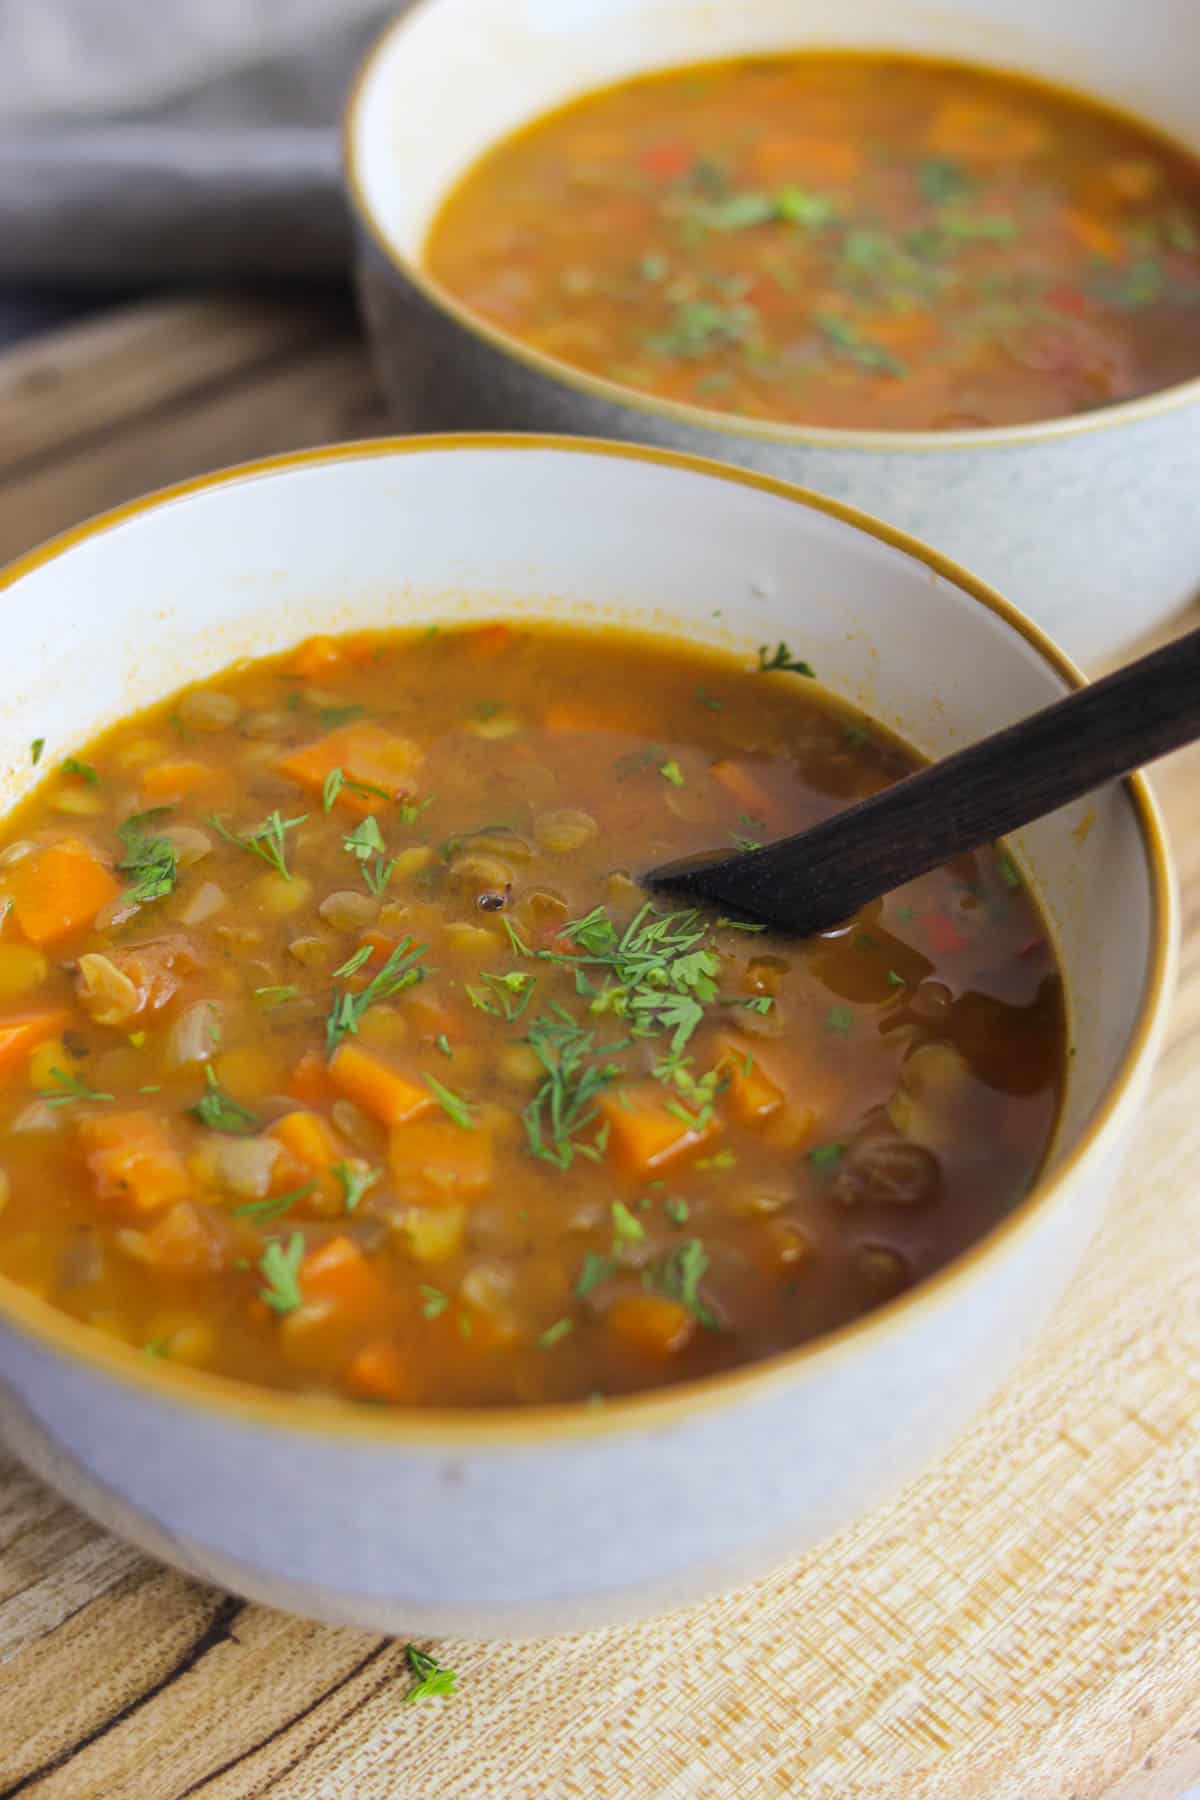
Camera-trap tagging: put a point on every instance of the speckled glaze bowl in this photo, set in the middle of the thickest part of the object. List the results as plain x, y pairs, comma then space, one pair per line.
1090, 523
505, 1522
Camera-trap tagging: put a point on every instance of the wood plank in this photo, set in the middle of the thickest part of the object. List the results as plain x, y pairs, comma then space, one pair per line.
1022, 1624
73, 385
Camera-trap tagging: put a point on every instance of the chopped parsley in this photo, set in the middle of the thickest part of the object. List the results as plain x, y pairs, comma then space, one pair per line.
399, 971
626, 1229
68, 1090
781, 658
595, 1269
432, 1680
676, 1209
443, 1044
268, 840
365, 842
895, 979
452, 1104
355, 1179
150, 861
220, 1111
678, 1274
511, 994
35, 751
671, 771
554, 1334
74, 765
277, 996
279, 1266
826, 1156
709, 701
433, 1301
274, 1206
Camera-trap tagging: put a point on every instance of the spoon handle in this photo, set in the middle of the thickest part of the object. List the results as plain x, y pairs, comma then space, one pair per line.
819, 877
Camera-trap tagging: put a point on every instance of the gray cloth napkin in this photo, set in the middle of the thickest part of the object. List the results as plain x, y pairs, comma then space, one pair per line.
152, 139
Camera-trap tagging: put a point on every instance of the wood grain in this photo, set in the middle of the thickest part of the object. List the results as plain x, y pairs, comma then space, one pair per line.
1023, 1623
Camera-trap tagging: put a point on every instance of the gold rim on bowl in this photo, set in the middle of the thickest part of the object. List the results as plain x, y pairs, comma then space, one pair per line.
699, 418
49, 1329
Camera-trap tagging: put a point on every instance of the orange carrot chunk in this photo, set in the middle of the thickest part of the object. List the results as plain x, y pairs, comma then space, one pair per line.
340, 1275
20, 1035
167, 781
651, 1324
364, 753
380, 1372
750, 1093
59, 890
376, 1087
738, 781
647, 1130
436, 1162
132, 1161
309, 1139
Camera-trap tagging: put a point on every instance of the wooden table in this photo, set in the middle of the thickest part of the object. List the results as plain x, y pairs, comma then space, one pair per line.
1022, 1624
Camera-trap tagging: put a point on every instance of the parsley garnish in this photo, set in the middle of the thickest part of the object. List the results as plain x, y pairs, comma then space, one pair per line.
432, 1680
268, 840
276, 996
69, 1089
894, 979
562, 1107
399, 971
781, 658
671, 771
678, 1274
709, 700
365, 841
35, 751
826, 1156
595, 1269
554, 1334
220, 1111
660, 978
356, 1180
333, 716
451, 1103
676, 1209
838, 1020
273, 1207
280, 1270
73, 765
433, 1301
626, 1229
513, 992
148, 859
443, 1044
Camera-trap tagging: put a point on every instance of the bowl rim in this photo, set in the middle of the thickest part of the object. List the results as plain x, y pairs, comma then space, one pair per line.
234, 1402
700, 418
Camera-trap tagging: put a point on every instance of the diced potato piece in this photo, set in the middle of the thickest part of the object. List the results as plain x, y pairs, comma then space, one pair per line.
644, 1135
49, 1056
652, 1324
436, 1162
59, 890
376, 1087
432, 1234
22, 968
132, 1161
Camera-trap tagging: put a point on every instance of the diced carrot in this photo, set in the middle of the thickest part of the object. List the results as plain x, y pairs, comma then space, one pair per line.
309, 1139
993, 133
132, 1161
751, 1093
363, 752
1092, 234
315, 656
490, 641
21, 1035
646, 1136
744, 786
436, 1162
167, 781
909, 332
380, 1372
562, 716
309, 1081
339, 1274
652, 1324
376, 1087
666, 160
59, 890
806, 159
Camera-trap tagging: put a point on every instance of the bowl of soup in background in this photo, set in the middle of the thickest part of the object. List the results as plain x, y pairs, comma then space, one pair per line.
1087, 520
509, 1520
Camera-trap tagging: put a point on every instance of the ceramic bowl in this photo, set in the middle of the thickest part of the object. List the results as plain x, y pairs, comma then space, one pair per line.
1089, 523
506, 1522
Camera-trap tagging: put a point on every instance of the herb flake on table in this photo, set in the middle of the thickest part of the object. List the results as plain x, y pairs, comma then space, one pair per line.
433, 1681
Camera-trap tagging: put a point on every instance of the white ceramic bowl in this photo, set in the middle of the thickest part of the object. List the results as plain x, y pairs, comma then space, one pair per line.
507, 1522
1090, 523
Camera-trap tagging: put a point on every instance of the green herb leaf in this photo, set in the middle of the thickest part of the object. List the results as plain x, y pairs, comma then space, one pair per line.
73, 765
432, 1680
332, 787
354, 963
709, 701
626, 1229
280, 1270
35, 751
838, 1020
1009, 873
443, 1044
595, 1269
356, 1179
433, 1301
671, 771
941, 180
781, 658
220, 1111
452, 1104
679, 1274
826, 1156
68, 1090
895, 980
276, 996
846, 338
797, 206
274, 1206
268, 840
399, 971
365, 840
554, 1334
676, 1209
150, 860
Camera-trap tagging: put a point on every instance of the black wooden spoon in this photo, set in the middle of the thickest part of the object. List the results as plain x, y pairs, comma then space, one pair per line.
820, 877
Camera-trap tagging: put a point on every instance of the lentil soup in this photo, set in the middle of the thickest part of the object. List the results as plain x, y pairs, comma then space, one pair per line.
841, 240
340, 1051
